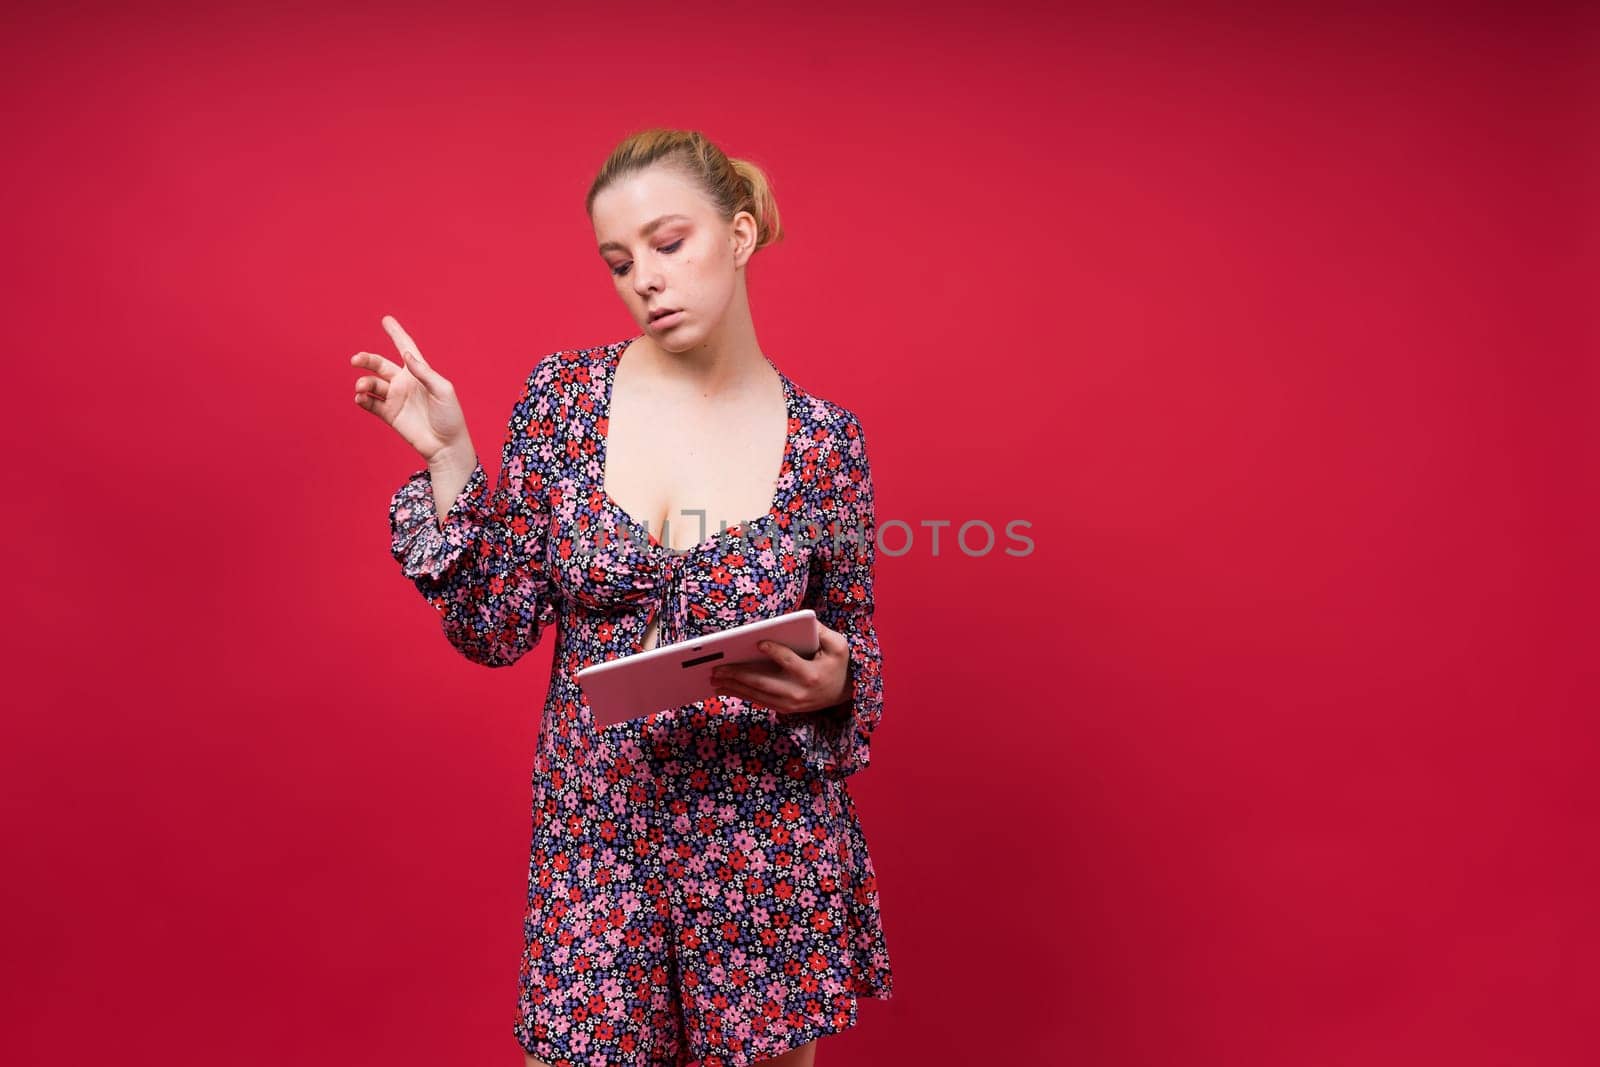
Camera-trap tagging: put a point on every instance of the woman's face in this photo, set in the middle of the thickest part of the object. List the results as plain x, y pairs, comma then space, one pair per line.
666, 248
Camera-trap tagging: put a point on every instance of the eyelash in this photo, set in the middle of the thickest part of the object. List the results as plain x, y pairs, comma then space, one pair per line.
665, 248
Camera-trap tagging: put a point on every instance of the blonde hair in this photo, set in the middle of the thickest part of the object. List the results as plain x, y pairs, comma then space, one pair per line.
733, 185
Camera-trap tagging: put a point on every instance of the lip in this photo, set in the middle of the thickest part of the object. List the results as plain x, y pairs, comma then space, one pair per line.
667, 321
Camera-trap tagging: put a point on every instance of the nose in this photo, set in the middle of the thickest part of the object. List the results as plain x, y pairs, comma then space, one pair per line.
646, 281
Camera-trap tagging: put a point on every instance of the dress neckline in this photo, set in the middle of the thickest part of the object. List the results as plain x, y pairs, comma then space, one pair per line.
603, 416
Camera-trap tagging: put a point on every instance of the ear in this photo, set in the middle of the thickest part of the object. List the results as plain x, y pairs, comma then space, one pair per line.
743, 237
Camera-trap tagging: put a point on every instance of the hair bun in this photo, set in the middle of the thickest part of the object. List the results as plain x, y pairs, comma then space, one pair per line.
733, 185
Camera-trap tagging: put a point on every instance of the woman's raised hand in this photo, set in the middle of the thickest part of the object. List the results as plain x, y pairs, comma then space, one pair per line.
415, 399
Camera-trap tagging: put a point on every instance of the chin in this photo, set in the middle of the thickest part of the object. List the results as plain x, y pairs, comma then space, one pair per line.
673, 340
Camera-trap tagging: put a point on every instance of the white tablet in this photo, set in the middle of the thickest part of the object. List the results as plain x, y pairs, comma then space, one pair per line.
680, 673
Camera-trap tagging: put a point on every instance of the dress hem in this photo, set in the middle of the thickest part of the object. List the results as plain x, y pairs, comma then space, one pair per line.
793, 1039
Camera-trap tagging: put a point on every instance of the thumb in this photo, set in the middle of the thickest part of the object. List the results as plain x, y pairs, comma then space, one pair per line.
831, 640
420, 370
412, 355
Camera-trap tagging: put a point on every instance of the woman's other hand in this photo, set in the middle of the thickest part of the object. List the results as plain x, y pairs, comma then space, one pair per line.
790, 683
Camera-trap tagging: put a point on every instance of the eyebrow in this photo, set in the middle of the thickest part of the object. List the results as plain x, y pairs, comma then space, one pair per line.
644, 231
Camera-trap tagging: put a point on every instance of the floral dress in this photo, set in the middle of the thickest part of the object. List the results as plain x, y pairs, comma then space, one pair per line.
699, 886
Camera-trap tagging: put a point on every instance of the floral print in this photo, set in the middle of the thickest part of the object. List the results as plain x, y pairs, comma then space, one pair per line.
699, 886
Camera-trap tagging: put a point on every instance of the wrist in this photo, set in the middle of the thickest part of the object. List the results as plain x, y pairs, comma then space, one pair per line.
459, 460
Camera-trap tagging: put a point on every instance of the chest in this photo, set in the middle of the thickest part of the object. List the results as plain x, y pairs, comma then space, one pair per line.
665, 527
634, 592
687, 471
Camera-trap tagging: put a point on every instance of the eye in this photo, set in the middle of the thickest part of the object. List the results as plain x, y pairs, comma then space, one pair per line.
673, 247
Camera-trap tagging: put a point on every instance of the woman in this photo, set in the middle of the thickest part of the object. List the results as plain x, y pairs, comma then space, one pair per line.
699, 888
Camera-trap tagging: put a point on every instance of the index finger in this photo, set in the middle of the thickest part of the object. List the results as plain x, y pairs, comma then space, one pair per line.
402, 340
778, 654
385, 368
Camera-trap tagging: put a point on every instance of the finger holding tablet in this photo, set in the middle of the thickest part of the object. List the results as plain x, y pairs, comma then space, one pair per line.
788, 682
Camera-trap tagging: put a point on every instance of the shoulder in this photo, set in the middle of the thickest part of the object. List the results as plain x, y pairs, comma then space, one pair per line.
558, 398
569, 370
566, 382
823, 419
833, 459
835, 436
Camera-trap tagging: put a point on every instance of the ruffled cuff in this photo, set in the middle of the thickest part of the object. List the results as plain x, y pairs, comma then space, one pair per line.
422, 545
841, 735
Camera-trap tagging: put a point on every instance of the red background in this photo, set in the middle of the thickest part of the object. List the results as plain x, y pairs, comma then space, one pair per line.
1277, 328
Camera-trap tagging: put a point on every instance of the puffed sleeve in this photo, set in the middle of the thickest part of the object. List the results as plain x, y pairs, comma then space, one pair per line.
483, 567
841, 594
